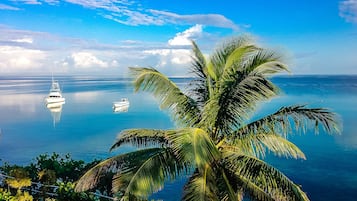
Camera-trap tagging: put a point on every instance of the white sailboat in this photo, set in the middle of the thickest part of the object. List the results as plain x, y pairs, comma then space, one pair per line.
124, 102
55, 94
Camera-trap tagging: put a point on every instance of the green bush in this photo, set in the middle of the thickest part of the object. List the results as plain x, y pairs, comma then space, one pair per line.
47, 170
66, 193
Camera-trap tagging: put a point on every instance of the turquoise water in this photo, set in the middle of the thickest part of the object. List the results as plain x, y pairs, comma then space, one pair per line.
87, 126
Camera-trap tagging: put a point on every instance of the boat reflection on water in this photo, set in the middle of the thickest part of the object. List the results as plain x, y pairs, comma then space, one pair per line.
120, 109
56, 110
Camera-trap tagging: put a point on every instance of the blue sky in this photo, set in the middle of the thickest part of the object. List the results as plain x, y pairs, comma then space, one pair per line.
93, 37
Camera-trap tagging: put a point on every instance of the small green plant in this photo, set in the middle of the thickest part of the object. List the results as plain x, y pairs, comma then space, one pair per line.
65, 167
19, 178
66, 193
22, 196
5, 195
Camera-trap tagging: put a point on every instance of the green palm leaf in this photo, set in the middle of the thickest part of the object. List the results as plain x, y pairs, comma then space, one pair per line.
193, 144
218, 59
150, 176
256, 144
264, 62
261, 180
201, 186
117, 164
296, 117
236, 58
199, 86
254, 191
141, 138
240, 91
184, 108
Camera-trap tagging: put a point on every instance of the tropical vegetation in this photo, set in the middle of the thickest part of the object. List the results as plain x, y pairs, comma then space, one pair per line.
218, 143
49, 177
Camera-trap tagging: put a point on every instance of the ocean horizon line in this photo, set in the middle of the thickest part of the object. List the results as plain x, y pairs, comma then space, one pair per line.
83, 76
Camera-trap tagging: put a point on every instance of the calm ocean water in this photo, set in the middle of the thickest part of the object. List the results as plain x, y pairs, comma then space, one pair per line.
87, 126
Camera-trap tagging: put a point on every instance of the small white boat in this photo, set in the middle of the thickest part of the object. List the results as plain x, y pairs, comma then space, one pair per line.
124, 102
121, 106
55, 95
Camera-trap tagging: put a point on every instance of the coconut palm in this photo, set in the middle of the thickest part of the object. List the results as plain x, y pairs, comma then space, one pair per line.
215, 143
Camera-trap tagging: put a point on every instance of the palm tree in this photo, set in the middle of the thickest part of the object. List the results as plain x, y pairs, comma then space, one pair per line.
215, 143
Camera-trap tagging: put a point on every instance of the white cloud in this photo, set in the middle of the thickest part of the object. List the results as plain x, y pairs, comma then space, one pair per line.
114, 63
182, 57
42, 53
176, 61
161, 52
109, 5
167, 58
7, 7
87, 60
133, 13
184, 38
52, 2
14, 58
215, 20
133, 18
348, 10
24, 40
32, 2
155, 17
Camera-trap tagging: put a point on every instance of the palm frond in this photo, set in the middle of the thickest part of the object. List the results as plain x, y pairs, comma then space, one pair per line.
201, 186
227, 191
255, 192
117, 164
141, 138
256, 144
244, 83
236, 58
264, 62
235, 102
193, 144
150, 176
218, 59
296, 117
260, 180
184, 108
211, 183
199, 86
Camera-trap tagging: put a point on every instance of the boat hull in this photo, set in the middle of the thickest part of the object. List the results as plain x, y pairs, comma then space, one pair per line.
55, 100
120, 104
56, 104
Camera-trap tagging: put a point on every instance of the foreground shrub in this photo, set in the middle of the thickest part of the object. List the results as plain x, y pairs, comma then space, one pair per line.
49, 178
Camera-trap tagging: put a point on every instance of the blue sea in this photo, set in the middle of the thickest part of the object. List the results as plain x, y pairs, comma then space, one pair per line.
86, 126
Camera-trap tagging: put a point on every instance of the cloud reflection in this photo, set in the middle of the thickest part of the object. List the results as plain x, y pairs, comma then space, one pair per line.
25, 103
86, 97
